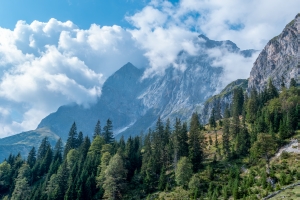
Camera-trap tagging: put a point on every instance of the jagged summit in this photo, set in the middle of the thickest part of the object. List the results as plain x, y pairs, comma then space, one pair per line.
231, 46
128, 67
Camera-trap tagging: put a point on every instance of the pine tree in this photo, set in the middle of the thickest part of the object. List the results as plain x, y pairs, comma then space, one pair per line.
196, 141
102, 167
96, 146
243, 140
45, 145
226, 135
97, 130
252, 106
45, 163
271, 91
115, 176
237, 101
107, 132
72, 139
79, 139
5, 176
212, 119
31, 159
162, 179
157, 142
180, 141
58, 150
183, 172
22, 189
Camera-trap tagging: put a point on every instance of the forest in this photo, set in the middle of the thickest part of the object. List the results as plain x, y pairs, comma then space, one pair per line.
231, 157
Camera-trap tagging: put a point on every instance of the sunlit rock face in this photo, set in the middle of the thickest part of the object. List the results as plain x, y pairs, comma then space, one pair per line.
278, 60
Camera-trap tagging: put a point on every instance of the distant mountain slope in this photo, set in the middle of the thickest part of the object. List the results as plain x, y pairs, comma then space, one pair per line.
23, 142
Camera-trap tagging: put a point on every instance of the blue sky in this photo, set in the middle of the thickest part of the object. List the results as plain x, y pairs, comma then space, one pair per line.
82, 12
57, 52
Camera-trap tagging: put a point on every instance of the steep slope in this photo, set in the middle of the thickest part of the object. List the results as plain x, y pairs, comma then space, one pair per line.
118, 102
277, 60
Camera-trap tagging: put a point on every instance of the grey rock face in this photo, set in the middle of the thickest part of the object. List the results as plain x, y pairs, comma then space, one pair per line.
134, 104
277, 60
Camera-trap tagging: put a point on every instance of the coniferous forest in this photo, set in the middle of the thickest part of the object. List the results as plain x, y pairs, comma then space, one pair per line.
232, 157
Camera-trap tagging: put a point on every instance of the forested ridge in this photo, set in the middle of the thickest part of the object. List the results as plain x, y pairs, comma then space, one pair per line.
229, 158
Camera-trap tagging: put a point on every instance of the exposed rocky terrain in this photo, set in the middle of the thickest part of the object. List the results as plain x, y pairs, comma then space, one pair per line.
277, 60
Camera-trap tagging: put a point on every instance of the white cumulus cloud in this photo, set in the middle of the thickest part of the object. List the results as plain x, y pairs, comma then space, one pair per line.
48, 64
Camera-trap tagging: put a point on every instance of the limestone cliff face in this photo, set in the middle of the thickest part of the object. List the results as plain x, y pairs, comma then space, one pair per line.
277, 60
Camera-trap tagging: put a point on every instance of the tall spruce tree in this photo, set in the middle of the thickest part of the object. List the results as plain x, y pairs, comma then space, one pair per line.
226, 135
212, 119
107, 133
31, 159
58, 150
97, 130
45, 144
196, 141
79, 139
72, 139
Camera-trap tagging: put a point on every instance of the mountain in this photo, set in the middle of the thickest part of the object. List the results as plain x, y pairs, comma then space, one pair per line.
278, 60
134, 104
23, 142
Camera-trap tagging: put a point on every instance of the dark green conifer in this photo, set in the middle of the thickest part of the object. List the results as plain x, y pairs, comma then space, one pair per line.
72, 139
196, 141
107, 133
31, 159
97, 130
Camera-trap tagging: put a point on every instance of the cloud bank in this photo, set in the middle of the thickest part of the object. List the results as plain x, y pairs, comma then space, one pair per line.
48, 64
44, 65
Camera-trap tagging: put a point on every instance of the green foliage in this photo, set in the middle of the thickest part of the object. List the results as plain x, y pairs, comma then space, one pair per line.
22, 190
115, 176
183, 172
72, 139
155, 164
196, 143
97, 131
107, 133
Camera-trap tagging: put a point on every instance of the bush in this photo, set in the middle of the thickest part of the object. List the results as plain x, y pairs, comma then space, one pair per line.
284, 155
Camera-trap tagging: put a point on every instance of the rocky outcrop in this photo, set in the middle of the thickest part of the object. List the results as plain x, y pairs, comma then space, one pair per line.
277, 60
